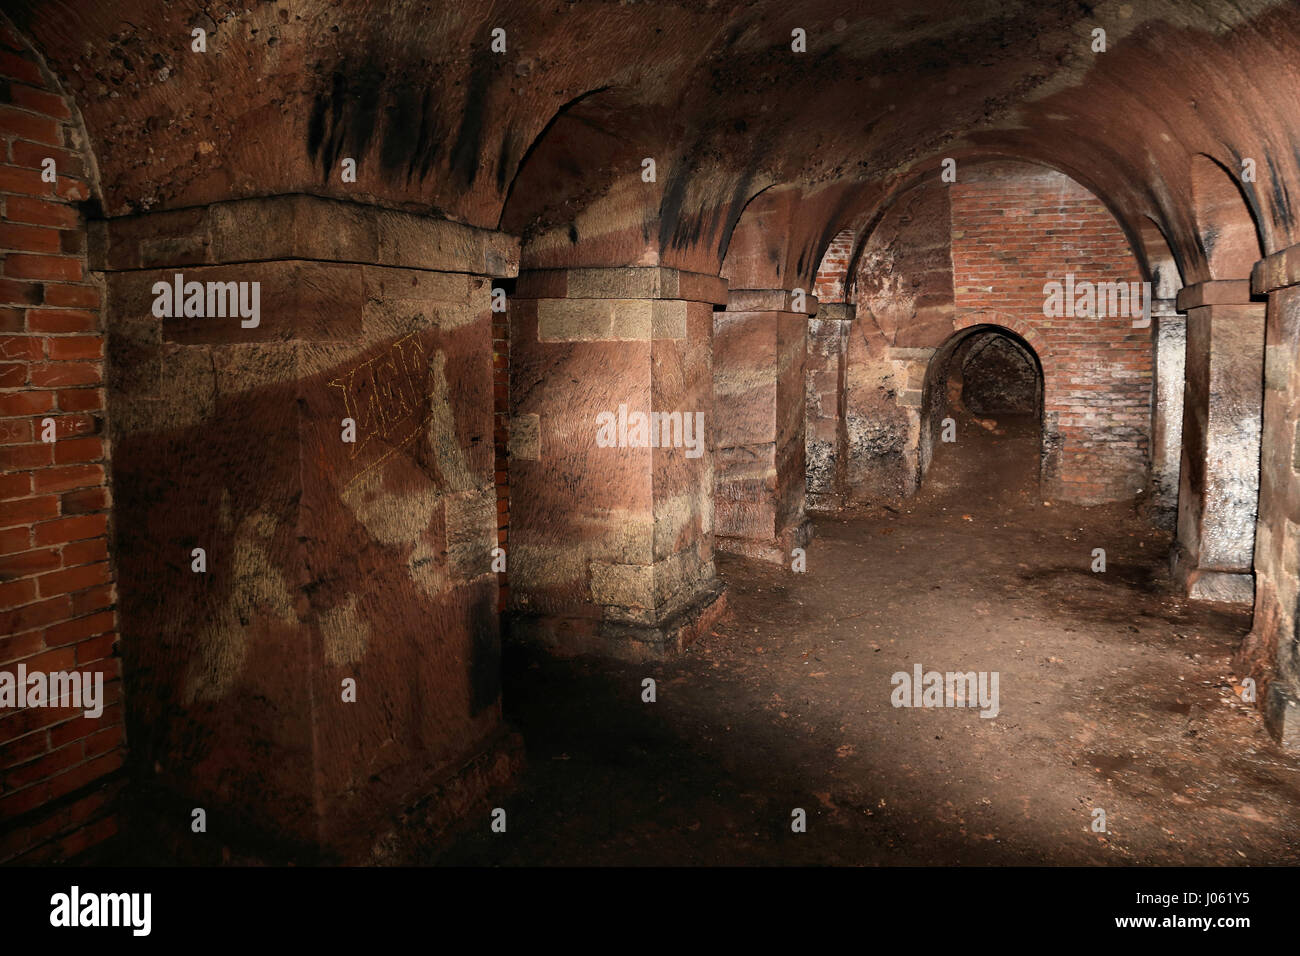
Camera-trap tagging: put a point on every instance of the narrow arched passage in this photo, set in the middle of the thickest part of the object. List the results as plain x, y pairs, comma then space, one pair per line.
982, 416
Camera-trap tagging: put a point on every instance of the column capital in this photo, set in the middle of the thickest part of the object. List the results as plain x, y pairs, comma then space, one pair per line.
770, 300
840, 311
1277, 271
310, 228
1214, 292
1166, 307
621, 282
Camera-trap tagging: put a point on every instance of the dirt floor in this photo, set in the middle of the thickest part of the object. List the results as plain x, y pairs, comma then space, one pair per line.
1114, 695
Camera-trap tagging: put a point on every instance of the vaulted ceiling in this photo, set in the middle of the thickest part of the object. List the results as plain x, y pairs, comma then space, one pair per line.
548, 138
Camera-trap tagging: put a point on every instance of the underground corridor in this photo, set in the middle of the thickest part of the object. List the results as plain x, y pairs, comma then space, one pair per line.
649, 434
1126, 695
1114, 695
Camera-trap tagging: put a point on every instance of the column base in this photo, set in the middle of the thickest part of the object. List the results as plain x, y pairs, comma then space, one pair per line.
797, 534
1219, 587
827, 503
575, 635
1282, 715
409, 831
449, 805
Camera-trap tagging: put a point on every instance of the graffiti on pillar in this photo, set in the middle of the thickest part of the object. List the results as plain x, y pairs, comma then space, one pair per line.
388, 398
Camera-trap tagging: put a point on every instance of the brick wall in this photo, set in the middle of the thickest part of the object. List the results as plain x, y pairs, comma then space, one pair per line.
1014, 229
946, 257
833, 271
57, 595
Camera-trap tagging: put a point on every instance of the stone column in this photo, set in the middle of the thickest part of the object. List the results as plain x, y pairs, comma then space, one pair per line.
1167, 411
1271, 652
611, 515
324, 561
760, 352
1219, 480
825, 437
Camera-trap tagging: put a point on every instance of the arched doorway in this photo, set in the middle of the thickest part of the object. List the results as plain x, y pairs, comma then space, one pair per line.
982, 414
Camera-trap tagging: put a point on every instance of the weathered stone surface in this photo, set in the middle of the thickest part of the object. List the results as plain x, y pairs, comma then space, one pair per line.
298, 301
1215, 292
1282, 714
1272, 652
1167, 422
758, 382
298, 227
824, 388
611, 547
326, 560
625, 283
1219, 478
770, 300
579, 320
838, 311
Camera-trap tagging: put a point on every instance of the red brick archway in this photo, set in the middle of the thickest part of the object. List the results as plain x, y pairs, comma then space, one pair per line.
934, 401
1021, 327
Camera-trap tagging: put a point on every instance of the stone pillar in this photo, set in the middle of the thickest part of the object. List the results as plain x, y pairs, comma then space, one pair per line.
611, 516
1167, 411
326, 561
1219, 481
1271, 653
760, 352
911, 367
825, 437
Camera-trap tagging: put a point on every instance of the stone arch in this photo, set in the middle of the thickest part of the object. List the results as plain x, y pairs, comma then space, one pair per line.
863, 225
1012, 323
934, 399
1165, 270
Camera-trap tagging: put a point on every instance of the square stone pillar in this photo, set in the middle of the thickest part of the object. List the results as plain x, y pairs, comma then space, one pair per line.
1167, 411
825, 435
1219, 479
325, 561
1271, 652
611, 514
760, 354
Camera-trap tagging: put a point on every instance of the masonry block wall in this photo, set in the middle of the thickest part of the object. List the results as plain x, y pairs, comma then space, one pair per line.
1271, 652
59, 769
947, 257
1014, 229
612, 540
760, 403
327, 560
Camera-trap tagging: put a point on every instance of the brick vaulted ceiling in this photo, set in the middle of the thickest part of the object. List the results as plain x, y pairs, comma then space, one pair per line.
546, 140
